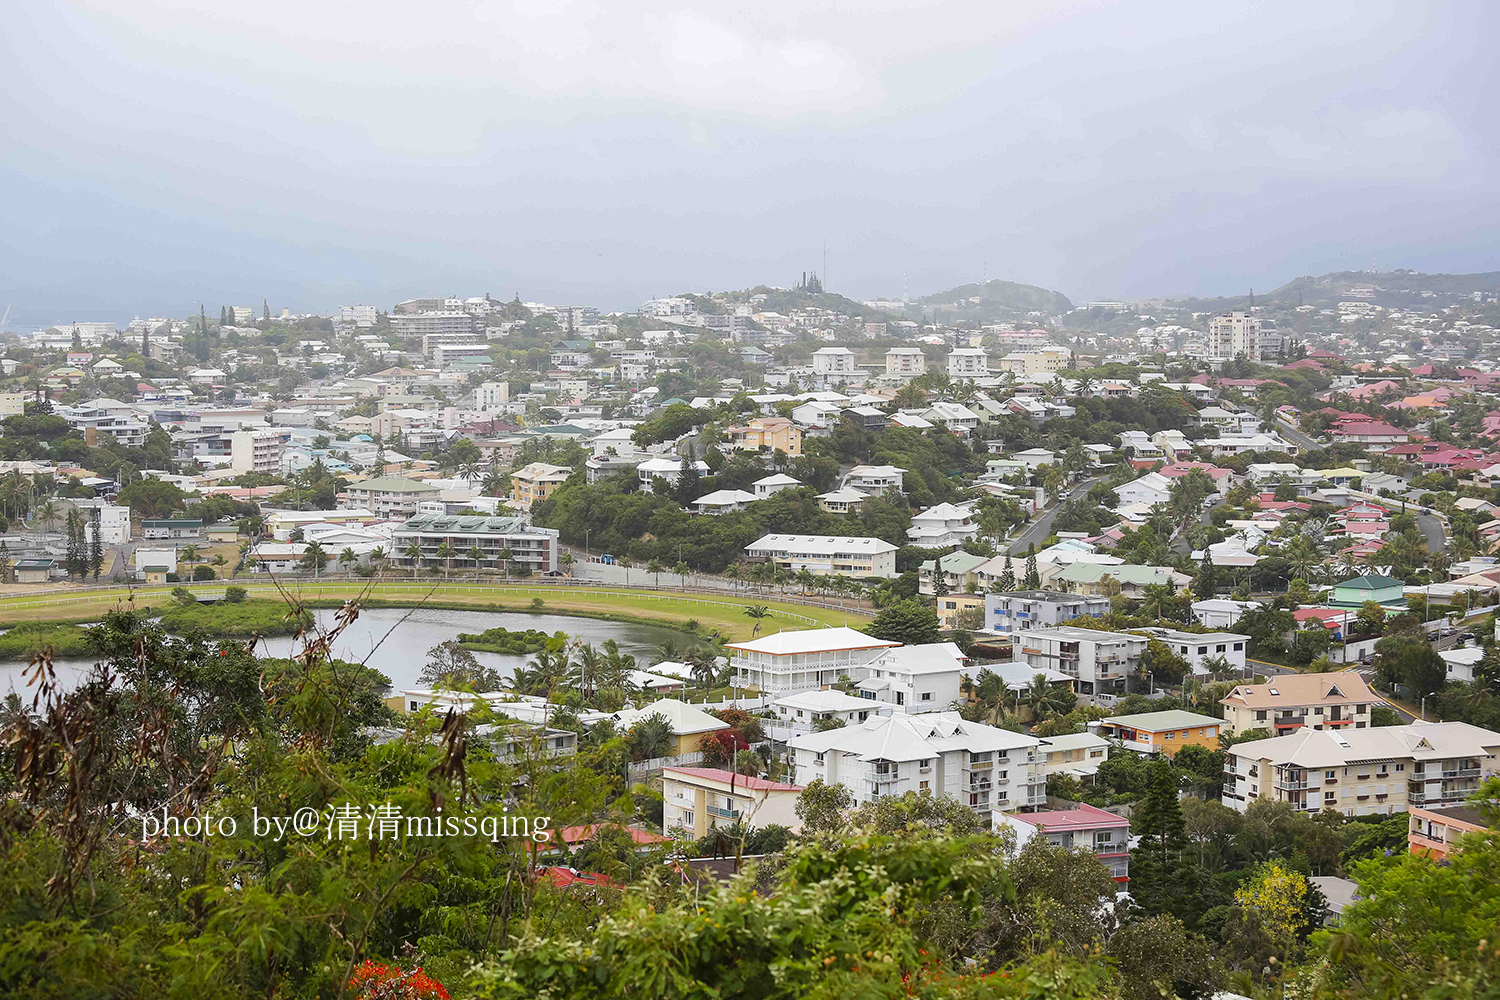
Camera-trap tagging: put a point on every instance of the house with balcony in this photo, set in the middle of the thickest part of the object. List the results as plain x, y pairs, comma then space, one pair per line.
938, 754
1075, 754
1198, 647
905, 362
723, 501
957, 417
768, 434
805, 709
943, 526
537, 481
697, 799
1288, 702
968, 363
1435, 832
841, 501
1363, 772
1160, 732
1023, 610
389, 496
1085, 827
1098, 661
669, 469
802, 660
919, 678
874, 480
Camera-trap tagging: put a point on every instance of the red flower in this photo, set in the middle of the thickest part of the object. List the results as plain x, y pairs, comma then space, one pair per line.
374, 981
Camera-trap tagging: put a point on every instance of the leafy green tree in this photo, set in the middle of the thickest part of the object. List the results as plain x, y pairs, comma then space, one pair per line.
908, 622
823, 807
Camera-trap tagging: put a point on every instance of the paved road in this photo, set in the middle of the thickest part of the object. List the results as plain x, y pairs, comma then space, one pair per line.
1041, 526
1432, 530
1295, 436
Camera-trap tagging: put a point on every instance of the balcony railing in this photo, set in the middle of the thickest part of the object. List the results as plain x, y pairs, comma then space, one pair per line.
724, 812
1463, 772
1291, 786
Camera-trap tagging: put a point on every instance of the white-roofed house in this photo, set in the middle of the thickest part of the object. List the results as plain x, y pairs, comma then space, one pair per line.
1078, 754
805, 709
767, 485
875, 479
723, 501
842, 501
1151, 489
669, 469
943, 526
827, 555
922, 678
938, 754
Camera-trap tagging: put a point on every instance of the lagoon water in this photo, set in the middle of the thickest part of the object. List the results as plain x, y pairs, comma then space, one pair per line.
395, 641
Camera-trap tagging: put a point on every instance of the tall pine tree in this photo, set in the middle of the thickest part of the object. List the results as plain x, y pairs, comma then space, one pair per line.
96, 543
1033, 575
1156, 868
74, 561
1206, 583
1007, 578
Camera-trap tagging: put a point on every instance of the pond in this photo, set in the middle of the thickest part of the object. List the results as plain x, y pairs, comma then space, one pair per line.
395, 641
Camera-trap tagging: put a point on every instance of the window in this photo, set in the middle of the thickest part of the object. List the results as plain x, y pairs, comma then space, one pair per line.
1329, 796
1171, 736
1400, 767
1202, 650
922, 785
1317, 711
901, 697
1220, 648
1239, 646
926, 695
1330, 774
1260, 716
687, 817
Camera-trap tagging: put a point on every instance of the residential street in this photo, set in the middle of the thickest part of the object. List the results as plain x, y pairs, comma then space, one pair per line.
1041, 525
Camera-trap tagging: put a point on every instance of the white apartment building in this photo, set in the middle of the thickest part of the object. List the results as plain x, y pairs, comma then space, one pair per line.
114, 521
905, 362
1232, 334
363, 317
804, 660
1363, 772
944, 526
256, 451
935, 754
827, 555
493, 537
1195, 647
1290, 702
491, 396
968, 362
1097, 661
874, 480
436, 324
1028, 610
1033, 363
915, 679
834, 361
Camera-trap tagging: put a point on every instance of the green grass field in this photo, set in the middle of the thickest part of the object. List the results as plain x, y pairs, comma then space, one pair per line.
725, 613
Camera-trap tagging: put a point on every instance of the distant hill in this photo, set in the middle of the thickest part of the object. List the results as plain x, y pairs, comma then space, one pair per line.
1386, 288
785, 300
996, 299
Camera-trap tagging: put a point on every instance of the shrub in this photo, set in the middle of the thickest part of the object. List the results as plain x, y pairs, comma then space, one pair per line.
235, 595
203, 573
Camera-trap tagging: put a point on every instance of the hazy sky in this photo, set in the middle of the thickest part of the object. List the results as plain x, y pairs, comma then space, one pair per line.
311, 153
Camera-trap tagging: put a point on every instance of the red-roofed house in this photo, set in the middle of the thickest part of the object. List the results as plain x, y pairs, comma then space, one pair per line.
1087, 827
572, 836
1333, 619
1305, 363
1373, 434
1221, 477
1373, 389
565, 877
697, 799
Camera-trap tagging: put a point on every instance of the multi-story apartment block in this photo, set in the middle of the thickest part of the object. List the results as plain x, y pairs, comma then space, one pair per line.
697, 799
804, 660
920, 678
1290, 701
827, 555
968, 362
1160, 732
534, 548
937, 754
1087, 827
1098, 661
1364, 771
363, 317
1023, 610
874, 480
257, 451
1078, 754
905, 362
769, 433
491, 395
440, 325
537, 482
1032, 363
834, 361
389, 496
1233, 334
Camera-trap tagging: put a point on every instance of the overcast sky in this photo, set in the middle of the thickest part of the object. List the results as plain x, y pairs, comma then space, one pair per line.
316, 152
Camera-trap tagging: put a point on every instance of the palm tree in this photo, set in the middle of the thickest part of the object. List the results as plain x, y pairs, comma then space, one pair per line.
566, 561
476, 556
655, 567
703, 665
414, 553
805, 579
347, 558
682, 570
506, 555
1045, 698
446, 552
758, 613
1154, 599
624, 563
587, 670
315, 558
733, 574
377, 555
189, 553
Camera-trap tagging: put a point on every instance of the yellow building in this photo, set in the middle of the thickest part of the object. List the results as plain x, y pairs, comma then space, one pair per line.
689, 723
537, 481
1167, 732
770, 433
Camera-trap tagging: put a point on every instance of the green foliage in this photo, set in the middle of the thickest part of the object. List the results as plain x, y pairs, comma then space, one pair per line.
908, 622
514, 642
242, 619
24, 640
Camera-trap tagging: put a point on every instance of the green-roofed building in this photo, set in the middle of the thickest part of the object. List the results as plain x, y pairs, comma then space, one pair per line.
1369, 587
957, 568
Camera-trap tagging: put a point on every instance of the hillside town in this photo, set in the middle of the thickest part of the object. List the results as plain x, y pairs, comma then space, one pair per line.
1199, 596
